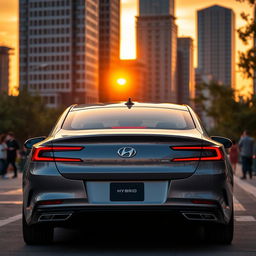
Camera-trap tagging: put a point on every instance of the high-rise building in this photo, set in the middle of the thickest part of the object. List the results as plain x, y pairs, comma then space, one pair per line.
157, 49
186, 74
204, 92
109, 44
59, 50
216, 44
4, 68
156, 7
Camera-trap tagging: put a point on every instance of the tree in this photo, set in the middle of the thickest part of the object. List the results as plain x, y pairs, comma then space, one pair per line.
247, 59
26, 115
230, 117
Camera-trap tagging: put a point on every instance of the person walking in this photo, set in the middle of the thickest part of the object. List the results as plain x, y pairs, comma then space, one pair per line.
233, 155
246, 147
3, 156
254, 161
23, 156
12, 148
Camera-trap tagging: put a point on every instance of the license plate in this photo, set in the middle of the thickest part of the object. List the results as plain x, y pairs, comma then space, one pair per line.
126, 192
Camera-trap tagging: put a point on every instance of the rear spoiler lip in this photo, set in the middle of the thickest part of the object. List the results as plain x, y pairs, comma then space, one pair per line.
191, 141
193, 133
64, 138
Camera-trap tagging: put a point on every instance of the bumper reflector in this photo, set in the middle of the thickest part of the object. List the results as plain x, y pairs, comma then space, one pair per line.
203, 202
50, 202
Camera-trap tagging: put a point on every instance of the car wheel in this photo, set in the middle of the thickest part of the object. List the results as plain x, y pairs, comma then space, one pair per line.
36, 234
222, 233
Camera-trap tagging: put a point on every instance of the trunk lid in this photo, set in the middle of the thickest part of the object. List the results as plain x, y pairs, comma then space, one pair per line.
101, 159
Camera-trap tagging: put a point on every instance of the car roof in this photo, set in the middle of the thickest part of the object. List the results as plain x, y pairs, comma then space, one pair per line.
123, 104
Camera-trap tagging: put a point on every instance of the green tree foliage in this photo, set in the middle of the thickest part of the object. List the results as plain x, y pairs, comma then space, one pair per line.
26, 115
247, 59
230, 117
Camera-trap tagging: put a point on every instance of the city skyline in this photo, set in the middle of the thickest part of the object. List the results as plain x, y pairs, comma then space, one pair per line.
185, 13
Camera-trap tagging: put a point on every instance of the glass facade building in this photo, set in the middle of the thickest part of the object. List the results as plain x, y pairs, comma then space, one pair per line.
216, 44
157, 49
156, 7
59, 50
4, 68
186, 74
109, 44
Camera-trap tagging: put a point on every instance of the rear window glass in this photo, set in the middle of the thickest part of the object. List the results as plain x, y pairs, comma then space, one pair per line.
124, 118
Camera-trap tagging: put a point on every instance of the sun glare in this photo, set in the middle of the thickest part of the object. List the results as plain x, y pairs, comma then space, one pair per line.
121, 81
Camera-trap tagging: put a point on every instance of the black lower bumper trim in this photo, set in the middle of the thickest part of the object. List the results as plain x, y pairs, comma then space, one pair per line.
172, 213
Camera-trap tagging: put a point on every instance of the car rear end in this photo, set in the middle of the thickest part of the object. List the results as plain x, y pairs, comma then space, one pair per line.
153, 164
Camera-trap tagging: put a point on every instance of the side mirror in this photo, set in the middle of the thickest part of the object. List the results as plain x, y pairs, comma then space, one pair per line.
31, 142
227, 143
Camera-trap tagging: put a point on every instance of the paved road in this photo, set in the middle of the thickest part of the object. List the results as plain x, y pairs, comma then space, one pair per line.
126, 242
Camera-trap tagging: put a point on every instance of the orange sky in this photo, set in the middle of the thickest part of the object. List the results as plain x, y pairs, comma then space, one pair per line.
186, 20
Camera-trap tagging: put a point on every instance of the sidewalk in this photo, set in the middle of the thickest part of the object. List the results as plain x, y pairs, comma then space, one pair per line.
11, 184
239, 174
248, 185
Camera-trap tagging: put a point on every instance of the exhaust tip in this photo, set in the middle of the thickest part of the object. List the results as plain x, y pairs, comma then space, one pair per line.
200, 216
54, 217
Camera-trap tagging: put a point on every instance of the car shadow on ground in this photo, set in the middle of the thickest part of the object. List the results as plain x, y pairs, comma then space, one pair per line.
119, 237
134, 237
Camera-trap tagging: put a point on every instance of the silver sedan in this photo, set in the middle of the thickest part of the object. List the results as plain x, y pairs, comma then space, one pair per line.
128, 157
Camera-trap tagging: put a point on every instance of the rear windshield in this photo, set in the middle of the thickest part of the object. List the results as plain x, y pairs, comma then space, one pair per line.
124, 118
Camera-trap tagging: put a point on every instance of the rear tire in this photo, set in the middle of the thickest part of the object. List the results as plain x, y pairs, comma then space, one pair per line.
221, 233
36, 234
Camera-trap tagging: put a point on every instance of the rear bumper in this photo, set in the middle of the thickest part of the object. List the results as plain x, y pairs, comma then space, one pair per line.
78, 214
82, 200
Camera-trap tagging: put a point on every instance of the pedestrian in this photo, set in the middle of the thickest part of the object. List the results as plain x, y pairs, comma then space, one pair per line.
254, 161
23, 156
3, 156
12, 148
233, 155
246, 147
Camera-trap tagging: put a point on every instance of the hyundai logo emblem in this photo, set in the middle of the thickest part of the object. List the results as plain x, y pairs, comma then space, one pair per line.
126, 152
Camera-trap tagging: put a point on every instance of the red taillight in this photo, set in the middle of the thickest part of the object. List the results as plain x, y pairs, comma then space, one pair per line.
38, 154
217, 155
